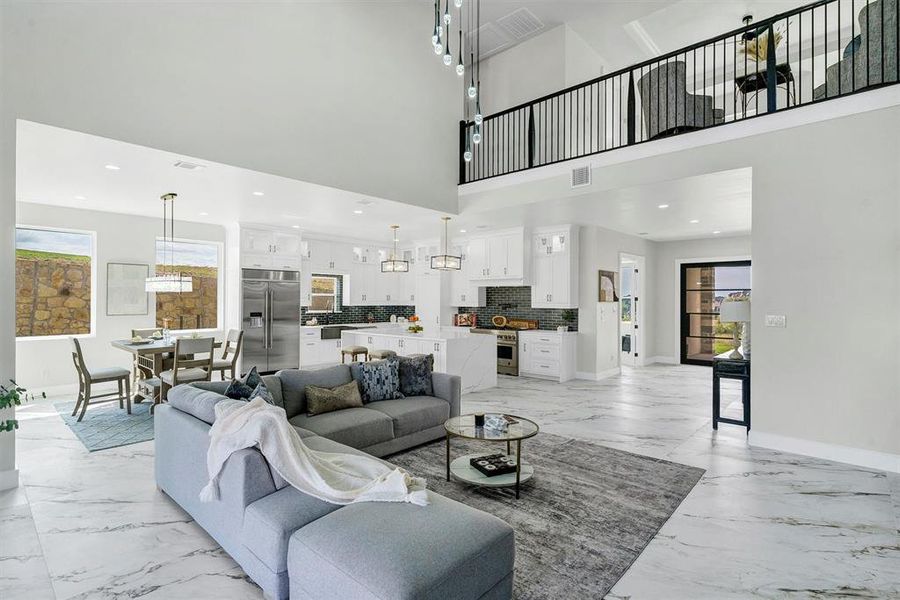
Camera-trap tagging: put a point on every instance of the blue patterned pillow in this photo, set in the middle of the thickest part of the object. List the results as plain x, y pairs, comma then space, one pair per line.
415, 375
261, 391
242, 389
380, 380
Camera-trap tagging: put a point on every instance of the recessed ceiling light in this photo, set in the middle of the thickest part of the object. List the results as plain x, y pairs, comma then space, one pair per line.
716, 232
365, 202
80, 198
295, 226
663, 206
462, 230
695, 221
112, 167
357, 212
204, 214
259, 194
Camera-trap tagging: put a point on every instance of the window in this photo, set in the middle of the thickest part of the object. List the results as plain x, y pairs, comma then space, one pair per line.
325, 294
704, 287
54, 282
199, 308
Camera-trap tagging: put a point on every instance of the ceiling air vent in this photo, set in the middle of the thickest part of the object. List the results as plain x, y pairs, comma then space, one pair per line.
520, 24
189, 166
492, 39
581, 176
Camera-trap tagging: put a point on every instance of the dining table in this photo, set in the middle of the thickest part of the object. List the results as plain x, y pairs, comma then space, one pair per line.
149, 358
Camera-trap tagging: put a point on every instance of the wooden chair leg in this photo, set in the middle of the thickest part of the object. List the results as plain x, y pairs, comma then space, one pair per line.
121, 400
78, 400
85, 401
128, 395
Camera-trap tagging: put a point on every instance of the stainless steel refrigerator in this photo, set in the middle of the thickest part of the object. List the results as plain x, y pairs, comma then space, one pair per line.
270, 312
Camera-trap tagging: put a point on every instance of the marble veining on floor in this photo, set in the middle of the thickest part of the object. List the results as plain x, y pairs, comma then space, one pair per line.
759, 524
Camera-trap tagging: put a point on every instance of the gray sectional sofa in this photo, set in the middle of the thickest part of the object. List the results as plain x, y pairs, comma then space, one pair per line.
296, 546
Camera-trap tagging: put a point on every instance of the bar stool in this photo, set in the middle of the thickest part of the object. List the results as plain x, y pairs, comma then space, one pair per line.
353, 352
381, 354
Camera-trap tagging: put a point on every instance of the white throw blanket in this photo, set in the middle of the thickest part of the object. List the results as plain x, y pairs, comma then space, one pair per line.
328, 476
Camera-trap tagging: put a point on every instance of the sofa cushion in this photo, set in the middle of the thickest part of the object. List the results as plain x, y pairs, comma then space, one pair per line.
294, 382
380, 380
415, 375
321, 400
273, 384
194, 401
411, 415
270, 521
355, 427
261, 391
241, 388
377, 550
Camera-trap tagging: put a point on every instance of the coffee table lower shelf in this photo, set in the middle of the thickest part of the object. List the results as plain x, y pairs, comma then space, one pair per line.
461, 470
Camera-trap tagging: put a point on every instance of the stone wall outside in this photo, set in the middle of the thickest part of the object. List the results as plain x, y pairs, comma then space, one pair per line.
197, 309
53, 295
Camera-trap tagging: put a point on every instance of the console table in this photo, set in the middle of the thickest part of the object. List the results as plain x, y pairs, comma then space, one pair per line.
730, 368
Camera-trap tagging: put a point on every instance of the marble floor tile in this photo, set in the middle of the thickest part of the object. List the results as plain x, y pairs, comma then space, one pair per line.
759, 523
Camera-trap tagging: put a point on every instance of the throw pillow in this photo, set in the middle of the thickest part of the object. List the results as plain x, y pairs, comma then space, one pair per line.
242, 388
261, 391
381, 380
322, 400
415, 375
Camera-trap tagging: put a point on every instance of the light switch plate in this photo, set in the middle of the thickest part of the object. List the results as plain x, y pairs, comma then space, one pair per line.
776, 321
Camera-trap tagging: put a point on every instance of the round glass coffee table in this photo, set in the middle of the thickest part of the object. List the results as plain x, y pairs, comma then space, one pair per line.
464, 426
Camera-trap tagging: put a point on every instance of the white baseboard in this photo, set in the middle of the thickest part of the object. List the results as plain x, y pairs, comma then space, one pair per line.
9, 479
871, 459
665, 360
598, 376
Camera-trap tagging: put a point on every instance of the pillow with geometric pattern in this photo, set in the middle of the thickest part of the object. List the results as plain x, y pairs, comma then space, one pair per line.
242, 388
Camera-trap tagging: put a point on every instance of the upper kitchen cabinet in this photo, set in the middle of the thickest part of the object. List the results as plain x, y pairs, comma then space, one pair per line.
329, 257
554, 280
463, 291
270, 249
500, 256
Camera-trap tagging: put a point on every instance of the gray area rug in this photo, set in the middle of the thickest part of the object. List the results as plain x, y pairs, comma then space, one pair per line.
581, 521
108, 426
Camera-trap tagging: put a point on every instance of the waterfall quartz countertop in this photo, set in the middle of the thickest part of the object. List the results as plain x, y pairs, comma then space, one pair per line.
456, 350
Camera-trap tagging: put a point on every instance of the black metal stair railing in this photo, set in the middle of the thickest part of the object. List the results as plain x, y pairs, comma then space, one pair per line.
818, 52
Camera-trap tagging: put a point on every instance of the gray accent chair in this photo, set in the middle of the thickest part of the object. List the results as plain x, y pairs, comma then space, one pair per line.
295, 546
861, 65
667, 106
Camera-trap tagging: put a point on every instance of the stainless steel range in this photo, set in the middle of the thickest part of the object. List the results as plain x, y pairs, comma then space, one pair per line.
507, 349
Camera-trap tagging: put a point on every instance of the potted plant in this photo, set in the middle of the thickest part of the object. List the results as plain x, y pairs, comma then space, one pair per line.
569, 317
414, 326
11, 396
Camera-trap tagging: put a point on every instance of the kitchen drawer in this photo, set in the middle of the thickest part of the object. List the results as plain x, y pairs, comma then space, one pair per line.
544, 351
310, 334
541, 338
544, 367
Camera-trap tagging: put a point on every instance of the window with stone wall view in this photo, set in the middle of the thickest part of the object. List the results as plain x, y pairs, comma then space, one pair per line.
197, 309
53, 282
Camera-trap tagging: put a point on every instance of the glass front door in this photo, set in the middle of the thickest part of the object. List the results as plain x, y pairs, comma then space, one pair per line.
704, 286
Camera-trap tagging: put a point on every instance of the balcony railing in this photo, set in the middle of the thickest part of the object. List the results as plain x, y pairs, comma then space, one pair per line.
821, 51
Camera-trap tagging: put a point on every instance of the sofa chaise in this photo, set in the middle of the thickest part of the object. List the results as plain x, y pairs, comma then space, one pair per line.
296, 546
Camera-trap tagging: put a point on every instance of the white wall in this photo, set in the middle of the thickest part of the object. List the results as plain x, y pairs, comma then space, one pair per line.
344, 94
599, 248
42, 364
665, 286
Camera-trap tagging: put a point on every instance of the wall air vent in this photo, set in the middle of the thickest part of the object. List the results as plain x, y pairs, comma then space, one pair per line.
189, 166
520, 24
493, 40
581, 176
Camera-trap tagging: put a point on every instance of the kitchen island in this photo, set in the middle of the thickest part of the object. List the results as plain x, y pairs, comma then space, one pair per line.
456, 351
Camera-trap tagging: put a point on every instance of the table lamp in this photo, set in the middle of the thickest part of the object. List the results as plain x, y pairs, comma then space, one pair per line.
735, 311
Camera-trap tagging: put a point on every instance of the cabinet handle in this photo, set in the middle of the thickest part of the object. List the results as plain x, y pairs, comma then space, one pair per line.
504, 270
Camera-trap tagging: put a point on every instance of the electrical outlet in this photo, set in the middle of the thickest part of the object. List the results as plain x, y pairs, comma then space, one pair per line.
776, 321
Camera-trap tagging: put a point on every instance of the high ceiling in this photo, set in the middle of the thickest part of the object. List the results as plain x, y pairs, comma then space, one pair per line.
66, 168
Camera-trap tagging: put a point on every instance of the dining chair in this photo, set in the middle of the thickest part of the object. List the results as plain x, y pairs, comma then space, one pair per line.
193, 362
87, 378
231, 351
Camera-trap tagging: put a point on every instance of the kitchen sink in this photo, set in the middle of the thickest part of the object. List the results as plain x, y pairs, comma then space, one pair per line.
333, 332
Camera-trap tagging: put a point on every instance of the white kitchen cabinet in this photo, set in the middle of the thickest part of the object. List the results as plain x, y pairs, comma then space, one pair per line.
499, 256
305, 287
547, 354
329, 257
554, 279
270, 249
433, 299
315, 351
363, 254
361, 282
463, 291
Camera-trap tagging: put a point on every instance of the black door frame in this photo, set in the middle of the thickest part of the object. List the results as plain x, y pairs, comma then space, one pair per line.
685, 320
